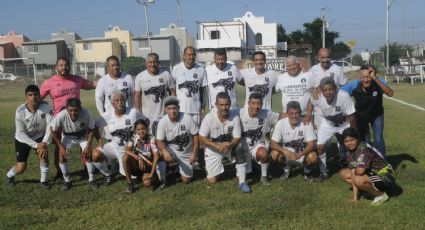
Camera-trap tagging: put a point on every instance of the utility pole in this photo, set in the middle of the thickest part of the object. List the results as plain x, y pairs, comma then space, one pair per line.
145, 4
323, 27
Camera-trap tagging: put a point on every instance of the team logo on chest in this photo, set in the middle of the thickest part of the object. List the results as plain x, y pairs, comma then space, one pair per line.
183, 128
337, 108
43, 116
300, 133
127, 122
124, 83
161, 80
267, 79
229, 73
260, 121
230, 129
303, 80
195, 75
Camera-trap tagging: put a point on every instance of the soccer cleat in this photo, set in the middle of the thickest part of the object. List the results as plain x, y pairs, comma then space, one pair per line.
45, 185
324, 176
11, 181
58, 176
379, 199
92, 184
66, 186
244, 187
161, 187
265, 181
108, 180
130, 188
285, 176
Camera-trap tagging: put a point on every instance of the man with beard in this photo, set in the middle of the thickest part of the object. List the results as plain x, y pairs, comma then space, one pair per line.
177, 138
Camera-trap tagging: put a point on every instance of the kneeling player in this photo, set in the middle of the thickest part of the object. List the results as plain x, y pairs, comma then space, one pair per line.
177, 138
293, 142
32, 121
141, 156
220, 133
256, 123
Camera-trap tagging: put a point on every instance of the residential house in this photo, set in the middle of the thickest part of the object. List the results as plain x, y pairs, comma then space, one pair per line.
70, 39
124, 37
10, 45
182, 36
44, 53
164, 45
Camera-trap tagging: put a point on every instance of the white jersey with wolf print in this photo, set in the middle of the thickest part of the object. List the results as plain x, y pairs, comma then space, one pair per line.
260, 83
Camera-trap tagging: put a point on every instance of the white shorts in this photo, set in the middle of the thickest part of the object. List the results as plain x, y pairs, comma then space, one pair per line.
185, 168
70, 141
214, 162
296, 162
251, 153
327, 131
113, 153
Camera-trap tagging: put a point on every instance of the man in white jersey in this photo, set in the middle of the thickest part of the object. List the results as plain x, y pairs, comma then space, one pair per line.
295, 86
260, 80
32, 120
191, 80
256, 124
294, 142
177, 138
220, 133
77, 127
151, 87
120, 124
222, 77
338, 113
115, 80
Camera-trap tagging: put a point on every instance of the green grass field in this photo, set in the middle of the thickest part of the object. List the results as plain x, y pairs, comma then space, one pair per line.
294, 204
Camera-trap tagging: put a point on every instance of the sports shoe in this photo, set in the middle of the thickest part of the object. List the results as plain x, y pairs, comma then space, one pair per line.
11, 181
324, 176
45, 185
161, 187
108, 180
92, 184
58, 176
66, 186
284, 176
244, 187
130, 188
265, 181
379, 199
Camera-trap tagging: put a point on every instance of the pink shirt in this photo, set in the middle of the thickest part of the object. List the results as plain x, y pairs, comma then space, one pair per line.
61, 89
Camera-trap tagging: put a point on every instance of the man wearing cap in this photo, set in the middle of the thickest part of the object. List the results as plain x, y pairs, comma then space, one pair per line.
177, 138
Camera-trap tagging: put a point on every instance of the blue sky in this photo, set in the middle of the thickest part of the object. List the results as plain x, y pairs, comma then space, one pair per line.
360, 20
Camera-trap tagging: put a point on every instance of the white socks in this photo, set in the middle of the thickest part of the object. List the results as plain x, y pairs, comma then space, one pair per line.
264, 169
44, 170
11, 172
160, 171
90, 170
65, 170
103, 168
241, 172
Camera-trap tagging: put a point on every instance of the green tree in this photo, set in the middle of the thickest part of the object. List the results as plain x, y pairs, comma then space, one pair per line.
397, 51
281, 34
133, 65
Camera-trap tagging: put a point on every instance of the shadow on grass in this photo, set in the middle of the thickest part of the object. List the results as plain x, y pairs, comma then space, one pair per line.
396, 160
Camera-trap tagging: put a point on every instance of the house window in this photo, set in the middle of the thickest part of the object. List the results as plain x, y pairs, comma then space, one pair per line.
33, 49
258, 39
87, 46
215, 34
143, 44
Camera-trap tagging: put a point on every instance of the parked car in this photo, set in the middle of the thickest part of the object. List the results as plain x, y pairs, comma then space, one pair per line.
346, 66
9, 76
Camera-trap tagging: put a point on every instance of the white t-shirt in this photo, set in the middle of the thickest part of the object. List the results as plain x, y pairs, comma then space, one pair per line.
31, 126
120, 128
188, 85
153, 90
222, 81
260, 83
177, 135
254, 129
295, 89
335, 114
78, 128
294, 138
218, 131
335, 72
106, 86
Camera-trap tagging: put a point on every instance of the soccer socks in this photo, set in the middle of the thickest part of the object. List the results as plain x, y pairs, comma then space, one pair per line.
160, 171
44, 170
322, 163
241, 172
11, 172
65, 169
264, 169
103, 168
90, 170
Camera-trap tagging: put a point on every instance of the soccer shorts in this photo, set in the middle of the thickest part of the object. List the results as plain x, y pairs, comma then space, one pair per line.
383, 179
112, 153
185, 168
214, 162
251, 153
326, 132
70, 141
23, 150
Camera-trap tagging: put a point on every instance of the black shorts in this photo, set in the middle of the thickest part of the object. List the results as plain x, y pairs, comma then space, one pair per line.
381, 182
23, 150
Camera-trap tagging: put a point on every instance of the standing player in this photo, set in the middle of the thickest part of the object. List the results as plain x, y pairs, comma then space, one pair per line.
325, 68
77, 125
295, 86
177, 138
115, 80
151, 86
190, 81
32, 122
260, 80
294, 142
222, 77
220, 132
61, 87
256, 123
367, 93
338, 113
120, 124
